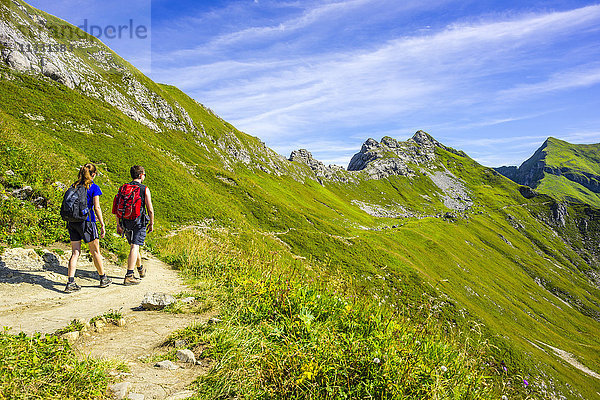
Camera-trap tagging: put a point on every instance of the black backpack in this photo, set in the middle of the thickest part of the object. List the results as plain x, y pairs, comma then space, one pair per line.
74, 207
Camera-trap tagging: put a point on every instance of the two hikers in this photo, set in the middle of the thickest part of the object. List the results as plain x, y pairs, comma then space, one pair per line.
82, 212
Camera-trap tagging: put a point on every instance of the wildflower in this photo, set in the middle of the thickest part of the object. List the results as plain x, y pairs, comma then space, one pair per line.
525, 382
505, 369
418, 342
443, 368
376, 360
504, 397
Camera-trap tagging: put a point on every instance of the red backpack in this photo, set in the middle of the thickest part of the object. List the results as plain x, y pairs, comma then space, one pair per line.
127, 204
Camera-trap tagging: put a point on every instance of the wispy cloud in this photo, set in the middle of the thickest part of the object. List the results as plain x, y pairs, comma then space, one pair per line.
420, 79
578, 78
590, 137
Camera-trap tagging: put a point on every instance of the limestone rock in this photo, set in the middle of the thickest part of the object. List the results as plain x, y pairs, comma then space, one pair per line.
18, 61
390, 157
136, 396
50, 260
25, 260
560, 213
331, 172
166, 364
119, 390
186, 356
181, 343
98, 324
70, 336
23, 193
157, 301
188, 300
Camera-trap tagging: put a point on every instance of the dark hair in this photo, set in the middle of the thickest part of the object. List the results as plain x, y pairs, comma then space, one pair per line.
85, 175
136, 171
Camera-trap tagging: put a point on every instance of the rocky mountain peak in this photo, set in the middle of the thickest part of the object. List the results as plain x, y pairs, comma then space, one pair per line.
392, 157
424, 139
369, 145
303, 156
331, 172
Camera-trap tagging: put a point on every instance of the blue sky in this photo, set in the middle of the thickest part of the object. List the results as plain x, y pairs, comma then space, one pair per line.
492, 78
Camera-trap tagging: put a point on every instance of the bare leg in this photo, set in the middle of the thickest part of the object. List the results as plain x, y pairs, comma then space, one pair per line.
139, 260
96, 256
134, 255
75, 252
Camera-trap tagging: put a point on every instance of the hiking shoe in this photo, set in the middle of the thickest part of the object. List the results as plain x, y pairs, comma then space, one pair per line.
131, 280
72, 287
142, 271
104, 282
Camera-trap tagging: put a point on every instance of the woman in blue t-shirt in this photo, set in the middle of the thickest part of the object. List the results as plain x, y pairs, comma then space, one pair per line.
87, 230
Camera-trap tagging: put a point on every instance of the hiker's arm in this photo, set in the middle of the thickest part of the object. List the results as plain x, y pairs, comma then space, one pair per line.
98, 212
150, 210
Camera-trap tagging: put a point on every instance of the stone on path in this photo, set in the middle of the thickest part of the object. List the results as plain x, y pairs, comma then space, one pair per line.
119, 390
157, 301
186, 356
166, 364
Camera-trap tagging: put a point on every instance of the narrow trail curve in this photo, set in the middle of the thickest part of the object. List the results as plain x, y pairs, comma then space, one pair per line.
32, 300
138, 344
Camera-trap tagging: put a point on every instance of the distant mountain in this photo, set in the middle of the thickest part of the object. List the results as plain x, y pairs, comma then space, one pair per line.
563, 170
405, 220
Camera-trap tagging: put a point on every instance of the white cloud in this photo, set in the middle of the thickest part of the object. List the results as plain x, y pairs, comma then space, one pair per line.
590, 137
407, 80
581, 77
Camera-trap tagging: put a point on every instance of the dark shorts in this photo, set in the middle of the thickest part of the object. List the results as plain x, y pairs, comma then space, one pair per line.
135, 232
86, 231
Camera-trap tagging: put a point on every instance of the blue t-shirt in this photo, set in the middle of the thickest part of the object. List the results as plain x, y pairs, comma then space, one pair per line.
92, 192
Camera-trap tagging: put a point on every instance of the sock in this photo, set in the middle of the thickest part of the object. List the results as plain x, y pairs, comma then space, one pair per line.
71, 279
129, 273
102, 276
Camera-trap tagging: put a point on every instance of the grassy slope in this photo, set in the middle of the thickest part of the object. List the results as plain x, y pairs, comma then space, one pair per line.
493, 280
581, 157
578, 158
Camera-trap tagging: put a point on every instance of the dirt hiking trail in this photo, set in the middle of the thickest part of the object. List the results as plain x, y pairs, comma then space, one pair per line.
32, 300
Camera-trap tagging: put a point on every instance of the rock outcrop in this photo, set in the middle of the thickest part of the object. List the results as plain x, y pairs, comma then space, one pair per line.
29, 44
391, 157
331, 172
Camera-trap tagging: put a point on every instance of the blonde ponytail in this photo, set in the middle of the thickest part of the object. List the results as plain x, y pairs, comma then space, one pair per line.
85, 175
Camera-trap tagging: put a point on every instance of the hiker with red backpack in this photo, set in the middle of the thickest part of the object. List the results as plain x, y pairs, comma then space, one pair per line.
135, 217
80, 207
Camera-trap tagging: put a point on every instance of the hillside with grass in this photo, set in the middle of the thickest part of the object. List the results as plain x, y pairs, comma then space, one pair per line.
566, 171
414, 273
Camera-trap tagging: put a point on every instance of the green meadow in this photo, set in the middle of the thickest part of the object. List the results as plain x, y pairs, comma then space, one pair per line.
318, 298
